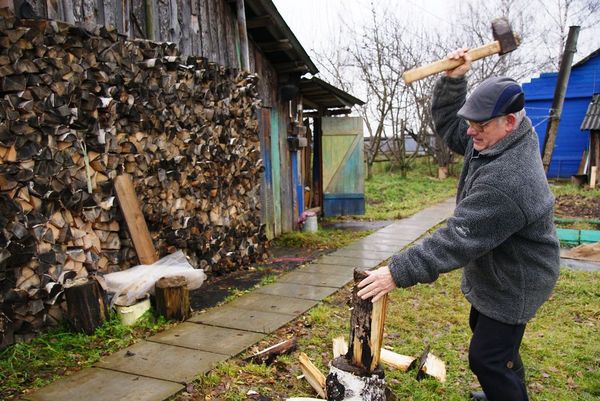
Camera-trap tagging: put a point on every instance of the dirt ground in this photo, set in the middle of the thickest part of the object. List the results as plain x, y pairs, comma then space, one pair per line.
577, 206
217, 288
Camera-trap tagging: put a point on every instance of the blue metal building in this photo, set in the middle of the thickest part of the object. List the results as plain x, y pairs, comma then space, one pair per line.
571, 142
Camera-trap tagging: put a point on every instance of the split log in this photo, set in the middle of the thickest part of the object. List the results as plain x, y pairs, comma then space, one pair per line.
397, 361
358, 375
366, 328
268, 355
172, 298
429, 364
86, 304
312, 374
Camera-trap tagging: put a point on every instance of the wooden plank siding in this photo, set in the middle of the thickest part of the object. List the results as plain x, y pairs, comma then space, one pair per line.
205, 28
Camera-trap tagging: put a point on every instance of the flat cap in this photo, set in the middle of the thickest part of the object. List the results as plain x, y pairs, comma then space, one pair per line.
493, 97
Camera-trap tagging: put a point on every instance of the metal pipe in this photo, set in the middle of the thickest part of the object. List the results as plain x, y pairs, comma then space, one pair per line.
559, 96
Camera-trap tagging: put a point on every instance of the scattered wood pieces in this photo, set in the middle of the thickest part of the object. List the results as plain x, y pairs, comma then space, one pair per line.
312, 374
396, 361
268, 355
340, 346
429, 364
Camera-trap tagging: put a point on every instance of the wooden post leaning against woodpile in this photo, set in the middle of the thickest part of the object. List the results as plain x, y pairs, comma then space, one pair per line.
78, 108
172, 298
358, 375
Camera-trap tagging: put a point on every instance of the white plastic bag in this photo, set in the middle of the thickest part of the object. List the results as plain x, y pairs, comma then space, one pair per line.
133, 284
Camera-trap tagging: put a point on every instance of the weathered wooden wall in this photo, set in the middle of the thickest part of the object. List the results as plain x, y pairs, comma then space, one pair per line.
206, 28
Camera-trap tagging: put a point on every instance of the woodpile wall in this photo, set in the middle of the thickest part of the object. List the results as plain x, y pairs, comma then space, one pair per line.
76, 109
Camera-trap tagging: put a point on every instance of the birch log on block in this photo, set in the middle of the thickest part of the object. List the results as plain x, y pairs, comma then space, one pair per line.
86, 304
358, 375
172, 298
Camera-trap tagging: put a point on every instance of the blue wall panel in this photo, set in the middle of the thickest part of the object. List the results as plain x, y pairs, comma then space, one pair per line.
571, 141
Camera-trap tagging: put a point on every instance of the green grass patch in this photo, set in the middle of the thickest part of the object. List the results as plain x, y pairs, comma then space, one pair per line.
560, 347
58, 351
322, 239
390, 195
566, 188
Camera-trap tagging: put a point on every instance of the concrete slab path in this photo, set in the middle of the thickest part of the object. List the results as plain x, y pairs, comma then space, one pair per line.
157, 368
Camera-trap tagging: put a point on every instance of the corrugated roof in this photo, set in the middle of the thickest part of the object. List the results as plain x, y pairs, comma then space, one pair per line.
587, 58
591, 121
274, 37
318, 94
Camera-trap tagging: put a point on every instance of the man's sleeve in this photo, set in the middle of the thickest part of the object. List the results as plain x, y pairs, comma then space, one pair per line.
449, 95
482, 221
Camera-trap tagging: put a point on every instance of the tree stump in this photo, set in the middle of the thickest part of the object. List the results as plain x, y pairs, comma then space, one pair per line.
7, 335
86, 304
172, 298
358, 375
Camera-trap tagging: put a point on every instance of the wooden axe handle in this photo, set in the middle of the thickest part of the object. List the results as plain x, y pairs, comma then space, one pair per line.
416, 74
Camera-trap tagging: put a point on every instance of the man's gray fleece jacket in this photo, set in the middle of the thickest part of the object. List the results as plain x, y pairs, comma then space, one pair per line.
502, 230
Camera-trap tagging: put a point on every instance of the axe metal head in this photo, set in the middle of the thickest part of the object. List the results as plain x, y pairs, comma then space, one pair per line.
504, 35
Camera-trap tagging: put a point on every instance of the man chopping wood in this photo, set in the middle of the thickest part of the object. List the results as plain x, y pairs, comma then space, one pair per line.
502, 231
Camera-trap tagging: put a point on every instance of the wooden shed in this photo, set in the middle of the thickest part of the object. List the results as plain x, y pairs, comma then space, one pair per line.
570, 142
591, 123
252, 34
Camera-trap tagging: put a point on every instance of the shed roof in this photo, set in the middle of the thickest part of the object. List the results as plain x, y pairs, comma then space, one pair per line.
591, 121
318, 94
273, 36
587, 58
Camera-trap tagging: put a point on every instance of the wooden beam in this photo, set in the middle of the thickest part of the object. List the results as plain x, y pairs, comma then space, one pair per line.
292, 66
243, 31
277, 46
259, 22
134, 218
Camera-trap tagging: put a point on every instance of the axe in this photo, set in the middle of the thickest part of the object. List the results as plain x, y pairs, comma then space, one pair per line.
505, 41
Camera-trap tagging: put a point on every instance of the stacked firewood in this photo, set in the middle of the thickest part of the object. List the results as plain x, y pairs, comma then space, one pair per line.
77, 108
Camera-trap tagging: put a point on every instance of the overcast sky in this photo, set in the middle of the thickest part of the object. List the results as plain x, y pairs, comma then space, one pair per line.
320, 23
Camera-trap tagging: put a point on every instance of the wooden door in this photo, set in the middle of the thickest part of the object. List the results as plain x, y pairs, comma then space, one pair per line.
343, 166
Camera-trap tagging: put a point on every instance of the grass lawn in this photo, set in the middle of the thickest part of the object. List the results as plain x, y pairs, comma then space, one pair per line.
561, 346
389, 195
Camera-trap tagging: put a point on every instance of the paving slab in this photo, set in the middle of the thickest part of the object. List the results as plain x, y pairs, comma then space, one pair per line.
161, 361
301, 291
372, 245
274, 303
105, 385
363, 253
354, 262
338, 270
243, 319
314, 278
220, 340
404, 235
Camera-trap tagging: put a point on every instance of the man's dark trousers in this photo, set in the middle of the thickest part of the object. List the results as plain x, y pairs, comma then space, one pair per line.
494, 358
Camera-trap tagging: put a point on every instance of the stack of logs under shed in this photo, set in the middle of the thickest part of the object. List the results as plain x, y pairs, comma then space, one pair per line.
79, 107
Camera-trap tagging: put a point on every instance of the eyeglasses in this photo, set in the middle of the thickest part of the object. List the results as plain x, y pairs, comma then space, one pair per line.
479, 126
